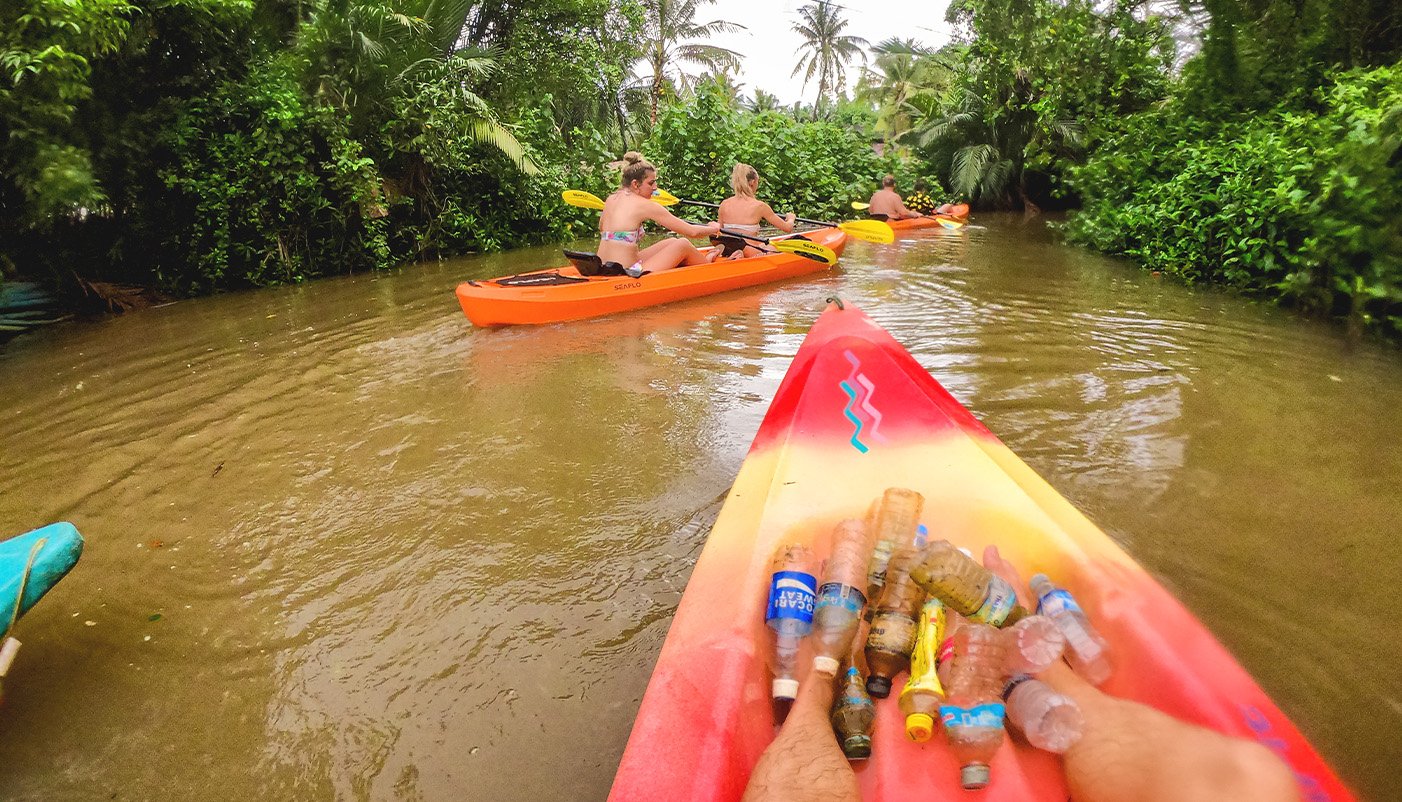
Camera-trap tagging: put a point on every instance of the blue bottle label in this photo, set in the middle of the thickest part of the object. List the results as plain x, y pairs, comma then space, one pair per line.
838, 595
998, 605
1057, 601
792, 594
985, 715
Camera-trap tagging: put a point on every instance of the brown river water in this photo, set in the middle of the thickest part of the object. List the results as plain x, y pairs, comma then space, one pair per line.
397, 558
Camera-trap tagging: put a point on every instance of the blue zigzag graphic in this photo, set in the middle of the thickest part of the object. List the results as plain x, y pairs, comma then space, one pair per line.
856, 421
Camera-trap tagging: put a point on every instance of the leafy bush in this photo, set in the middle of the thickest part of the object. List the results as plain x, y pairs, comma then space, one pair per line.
1297, 204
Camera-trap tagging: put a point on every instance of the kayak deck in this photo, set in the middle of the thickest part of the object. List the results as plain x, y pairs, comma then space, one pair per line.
490, 303
926, 222
854, 415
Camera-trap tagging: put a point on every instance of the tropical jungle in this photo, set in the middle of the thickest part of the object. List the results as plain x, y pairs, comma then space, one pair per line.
156, 149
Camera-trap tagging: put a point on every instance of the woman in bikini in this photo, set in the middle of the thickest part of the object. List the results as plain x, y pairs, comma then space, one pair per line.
621, 225
744, 212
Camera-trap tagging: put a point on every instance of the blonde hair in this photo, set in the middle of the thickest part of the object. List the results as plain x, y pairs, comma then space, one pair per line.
740, 179
636, 168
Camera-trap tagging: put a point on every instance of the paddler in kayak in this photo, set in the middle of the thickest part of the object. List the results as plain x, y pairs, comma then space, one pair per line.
886, 203
920, 201
744, 212
1127, 750
621, 225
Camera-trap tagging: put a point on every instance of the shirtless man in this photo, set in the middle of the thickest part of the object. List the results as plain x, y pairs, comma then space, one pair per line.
887, 202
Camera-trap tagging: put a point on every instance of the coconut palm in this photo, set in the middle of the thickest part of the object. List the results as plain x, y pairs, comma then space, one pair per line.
670, 31
903, 71
826, 50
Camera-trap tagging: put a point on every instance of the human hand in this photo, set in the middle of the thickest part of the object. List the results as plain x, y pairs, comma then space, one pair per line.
1130, 751
804, 762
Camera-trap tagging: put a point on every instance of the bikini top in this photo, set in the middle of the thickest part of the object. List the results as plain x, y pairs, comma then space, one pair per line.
626, 237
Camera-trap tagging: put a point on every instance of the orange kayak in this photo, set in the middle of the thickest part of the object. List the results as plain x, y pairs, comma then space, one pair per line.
854, 415
561, 294
927, 222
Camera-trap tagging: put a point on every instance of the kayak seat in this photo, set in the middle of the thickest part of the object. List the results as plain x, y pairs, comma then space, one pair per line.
589, 264
883, 218
727, 243
536, 280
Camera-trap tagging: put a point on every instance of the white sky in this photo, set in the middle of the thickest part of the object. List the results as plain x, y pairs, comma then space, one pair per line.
770, 46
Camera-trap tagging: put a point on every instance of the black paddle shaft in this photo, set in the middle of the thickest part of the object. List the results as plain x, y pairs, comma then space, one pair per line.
796, 219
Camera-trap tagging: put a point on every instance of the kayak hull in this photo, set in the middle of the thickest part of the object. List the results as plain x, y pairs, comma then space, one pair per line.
487, 303
45, 555
856, 414
939, 220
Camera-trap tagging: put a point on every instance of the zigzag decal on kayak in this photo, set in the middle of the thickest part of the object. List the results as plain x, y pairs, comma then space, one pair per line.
861, 401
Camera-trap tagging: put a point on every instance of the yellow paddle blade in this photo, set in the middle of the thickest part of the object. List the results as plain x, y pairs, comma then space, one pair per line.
859, 206
812, 250
949, 222
869, 230
665, 198
586, 200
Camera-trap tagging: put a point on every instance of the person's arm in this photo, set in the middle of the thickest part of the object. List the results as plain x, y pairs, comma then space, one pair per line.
659, 215
804, 762
784, 224
1130, 752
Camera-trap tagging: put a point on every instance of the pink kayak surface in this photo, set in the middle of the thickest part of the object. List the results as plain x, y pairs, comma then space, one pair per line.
854, 415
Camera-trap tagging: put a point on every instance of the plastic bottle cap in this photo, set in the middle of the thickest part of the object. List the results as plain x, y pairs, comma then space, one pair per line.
919, 726
880, 687
825, 665
974, 776
785, 689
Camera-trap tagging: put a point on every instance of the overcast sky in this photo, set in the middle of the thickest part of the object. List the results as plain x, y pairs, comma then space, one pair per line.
769, 46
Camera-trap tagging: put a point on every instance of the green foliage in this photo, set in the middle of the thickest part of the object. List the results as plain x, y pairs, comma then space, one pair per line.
813, 168
268, 188
1301, 205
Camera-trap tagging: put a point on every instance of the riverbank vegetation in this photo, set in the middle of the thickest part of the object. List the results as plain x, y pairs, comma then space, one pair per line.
190, 146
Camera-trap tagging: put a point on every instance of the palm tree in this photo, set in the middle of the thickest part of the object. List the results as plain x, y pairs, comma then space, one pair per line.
669, 33
904, 70
763, 101
826, 49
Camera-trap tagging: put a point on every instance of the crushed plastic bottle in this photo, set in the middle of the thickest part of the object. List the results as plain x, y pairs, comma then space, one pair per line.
840, 599
852, 715
896, 518
965, 586
973, 709
793, 592
921, 697
1086, 651
1047, 719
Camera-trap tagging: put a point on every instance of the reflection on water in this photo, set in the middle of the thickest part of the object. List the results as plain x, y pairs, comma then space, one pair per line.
394, 557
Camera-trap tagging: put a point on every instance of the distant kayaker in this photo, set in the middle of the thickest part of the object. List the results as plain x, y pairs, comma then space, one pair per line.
621, 225
886, 202
744, 212
920, 201
1127, 750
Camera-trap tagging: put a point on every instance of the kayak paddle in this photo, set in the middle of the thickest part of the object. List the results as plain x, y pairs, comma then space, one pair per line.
866, 230
812, 250
582, 199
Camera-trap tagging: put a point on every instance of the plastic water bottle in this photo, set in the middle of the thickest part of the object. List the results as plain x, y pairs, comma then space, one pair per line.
793, 593
922, 536
1034, 643
896, 519
921, 697
893, 627
1086, 650
840, 599
1047, 719
852, 715
965, 586
973, 707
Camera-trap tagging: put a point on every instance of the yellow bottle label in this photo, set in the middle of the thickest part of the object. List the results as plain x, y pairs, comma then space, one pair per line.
928, 637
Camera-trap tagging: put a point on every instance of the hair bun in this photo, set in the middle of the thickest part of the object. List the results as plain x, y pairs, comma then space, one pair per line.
632, 157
